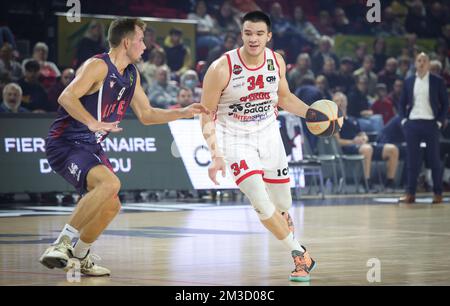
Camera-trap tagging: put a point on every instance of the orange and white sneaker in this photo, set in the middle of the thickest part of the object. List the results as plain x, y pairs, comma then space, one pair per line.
289, 221
304, 265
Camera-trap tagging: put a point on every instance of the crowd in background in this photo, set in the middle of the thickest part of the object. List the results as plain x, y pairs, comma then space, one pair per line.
371, 81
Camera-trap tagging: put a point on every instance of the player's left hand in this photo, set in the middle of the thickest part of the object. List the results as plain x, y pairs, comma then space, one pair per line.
194, 109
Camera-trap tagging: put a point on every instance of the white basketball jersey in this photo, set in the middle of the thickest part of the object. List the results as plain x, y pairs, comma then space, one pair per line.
249, 102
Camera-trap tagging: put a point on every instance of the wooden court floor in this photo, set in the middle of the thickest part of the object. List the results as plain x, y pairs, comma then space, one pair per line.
228, 246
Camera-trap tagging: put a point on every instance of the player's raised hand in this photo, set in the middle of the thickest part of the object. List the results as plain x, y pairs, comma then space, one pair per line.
105, 127
218, 164
194, 109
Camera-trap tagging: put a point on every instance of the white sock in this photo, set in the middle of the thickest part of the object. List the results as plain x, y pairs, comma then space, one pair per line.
81, 249
292, 244
68, 231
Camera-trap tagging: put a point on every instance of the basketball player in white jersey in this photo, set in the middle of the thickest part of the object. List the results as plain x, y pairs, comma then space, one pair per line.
243, 89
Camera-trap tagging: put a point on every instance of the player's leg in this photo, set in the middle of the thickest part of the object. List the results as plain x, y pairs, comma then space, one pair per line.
103, 186
277, 182
280, 196
86, 171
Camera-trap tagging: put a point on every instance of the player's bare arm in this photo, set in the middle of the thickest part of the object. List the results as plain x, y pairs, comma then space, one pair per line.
149, 115
286, 99
88, 80
214, 83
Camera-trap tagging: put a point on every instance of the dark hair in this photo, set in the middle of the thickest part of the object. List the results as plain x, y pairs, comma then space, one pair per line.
185, 89
257, 16
122, 27
32, 66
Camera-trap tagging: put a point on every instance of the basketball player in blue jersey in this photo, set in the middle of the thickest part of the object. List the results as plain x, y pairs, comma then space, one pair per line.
91, 107
243, 134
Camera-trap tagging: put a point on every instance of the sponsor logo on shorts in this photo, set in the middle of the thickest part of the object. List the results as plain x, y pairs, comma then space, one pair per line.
237, 69
75, 171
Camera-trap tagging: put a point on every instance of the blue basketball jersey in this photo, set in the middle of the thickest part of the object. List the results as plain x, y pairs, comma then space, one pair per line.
109, 104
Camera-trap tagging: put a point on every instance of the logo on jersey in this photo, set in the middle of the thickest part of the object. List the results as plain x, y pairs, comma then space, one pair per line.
237, 69
121, 93
112, 83
270, 65
131, 79
235, 108
271, 79
256, 96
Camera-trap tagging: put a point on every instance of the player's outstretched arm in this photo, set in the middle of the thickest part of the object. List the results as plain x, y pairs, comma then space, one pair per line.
286, 99
213, 85
148, 115
88, 79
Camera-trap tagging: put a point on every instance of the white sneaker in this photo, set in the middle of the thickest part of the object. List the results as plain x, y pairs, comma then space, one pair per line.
88, 267
57, 256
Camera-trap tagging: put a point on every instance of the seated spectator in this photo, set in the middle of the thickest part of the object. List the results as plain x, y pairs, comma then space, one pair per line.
162, 93
91, 44
300, 71
436, 67
404, 64
383, 105
341, 23
184, 98
150, 43
206, 28
213, 54
34, 97
360, 54
392, 132
178, 54
367, 71
281, 27
391, 24
190, 80
359, 107
5, 78
7, 36
48, 72
8, 64
304, 28
325, 50
322, 86
324, 25
379, 54
148, 69
226, 20
354, 140
55, 91
12, 98
309, 94
346, 82
389, 74
396, 93
329, 72
416, 20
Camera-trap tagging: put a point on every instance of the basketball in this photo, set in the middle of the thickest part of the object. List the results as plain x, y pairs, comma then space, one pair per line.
324, 118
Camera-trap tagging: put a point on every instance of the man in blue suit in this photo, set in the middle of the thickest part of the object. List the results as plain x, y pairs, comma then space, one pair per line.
423, 109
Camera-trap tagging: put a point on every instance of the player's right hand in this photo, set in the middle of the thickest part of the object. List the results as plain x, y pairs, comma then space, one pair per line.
218, 164
105, 127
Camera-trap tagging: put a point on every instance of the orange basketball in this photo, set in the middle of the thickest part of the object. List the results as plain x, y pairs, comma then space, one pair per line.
324, 118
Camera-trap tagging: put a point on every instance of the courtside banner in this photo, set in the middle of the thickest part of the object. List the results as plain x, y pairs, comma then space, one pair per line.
140, 156
192, 148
